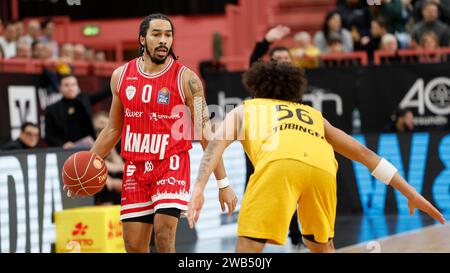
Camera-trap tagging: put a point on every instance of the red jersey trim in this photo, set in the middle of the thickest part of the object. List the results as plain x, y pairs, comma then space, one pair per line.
156, 75
180, 83
119, 84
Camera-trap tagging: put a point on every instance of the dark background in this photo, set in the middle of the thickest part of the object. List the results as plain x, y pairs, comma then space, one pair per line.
108, 9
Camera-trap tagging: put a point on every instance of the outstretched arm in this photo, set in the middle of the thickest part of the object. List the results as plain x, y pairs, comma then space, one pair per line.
195, 100
228, 131
225, 135
352, 149
261, 48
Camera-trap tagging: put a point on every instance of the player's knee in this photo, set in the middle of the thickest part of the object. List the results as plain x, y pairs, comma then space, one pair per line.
164, 234
315, 247
322, 248
250, 245
165, 227
136, 246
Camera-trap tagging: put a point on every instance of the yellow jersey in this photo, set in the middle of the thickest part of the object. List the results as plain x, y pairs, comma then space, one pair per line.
277, 129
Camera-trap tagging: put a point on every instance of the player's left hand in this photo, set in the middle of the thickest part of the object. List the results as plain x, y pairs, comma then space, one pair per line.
228, 197
195, 206
419, 202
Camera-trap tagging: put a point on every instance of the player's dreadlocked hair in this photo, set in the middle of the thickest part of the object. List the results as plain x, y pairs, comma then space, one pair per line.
272, 80
143, 28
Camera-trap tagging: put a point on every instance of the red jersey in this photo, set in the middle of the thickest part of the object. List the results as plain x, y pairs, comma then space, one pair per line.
155, 114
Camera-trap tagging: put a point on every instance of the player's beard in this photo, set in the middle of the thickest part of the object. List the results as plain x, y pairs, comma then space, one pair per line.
153, 57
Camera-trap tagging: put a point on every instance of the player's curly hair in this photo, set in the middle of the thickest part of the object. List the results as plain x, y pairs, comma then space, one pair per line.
145, 24
272, 80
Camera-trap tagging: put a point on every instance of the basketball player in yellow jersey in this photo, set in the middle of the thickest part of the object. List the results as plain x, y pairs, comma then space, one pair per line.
291, 146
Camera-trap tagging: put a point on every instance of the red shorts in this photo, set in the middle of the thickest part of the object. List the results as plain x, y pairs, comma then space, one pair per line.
152, 185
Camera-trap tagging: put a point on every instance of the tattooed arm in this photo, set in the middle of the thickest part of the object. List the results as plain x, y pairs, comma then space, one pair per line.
195, 100
229, 130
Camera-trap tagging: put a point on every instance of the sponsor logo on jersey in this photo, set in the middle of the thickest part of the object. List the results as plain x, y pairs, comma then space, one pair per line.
164, 96
132, 78
132, 114
148, 167
129, 185
171, 181
130, 92
130, 170
146, 143
155, 116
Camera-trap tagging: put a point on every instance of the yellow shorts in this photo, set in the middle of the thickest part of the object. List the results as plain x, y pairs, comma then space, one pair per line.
271, 199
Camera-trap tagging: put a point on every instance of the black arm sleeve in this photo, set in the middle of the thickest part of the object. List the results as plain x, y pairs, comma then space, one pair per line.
259, 51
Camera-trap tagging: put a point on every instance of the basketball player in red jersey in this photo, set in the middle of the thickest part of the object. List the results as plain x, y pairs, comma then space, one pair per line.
150, 95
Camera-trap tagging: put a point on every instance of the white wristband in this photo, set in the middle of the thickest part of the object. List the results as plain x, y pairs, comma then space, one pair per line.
384, 171
223, 183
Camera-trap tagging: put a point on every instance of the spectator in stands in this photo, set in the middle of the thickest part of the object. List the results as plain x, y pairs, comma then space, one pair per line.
377, 30
89, 54
100, 56
42, 51
397, 15
23, 50
66, 53
2, 54
262, 47
33, 32
28, 138
430, 42
443, 9
110, 195
20, 29
68, 123
430, 22
36, 50
335, 44
47, 53
48, 31
8, 40
305, 54
280, 54
333, 24
79, 52
402, 122
389, 43
355, 17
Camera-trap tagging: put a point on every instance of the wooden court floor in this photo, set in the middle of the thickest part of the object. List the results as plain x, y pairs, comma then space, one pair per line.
431, 239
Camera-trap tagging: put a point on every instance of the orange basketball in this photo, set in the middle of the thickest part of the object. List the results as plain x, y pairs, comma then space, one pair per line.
84, 173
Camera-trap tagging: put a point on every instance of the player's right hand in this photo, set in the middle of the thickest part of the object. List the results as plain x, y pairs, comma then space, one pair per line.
70, 194
277, 33
419, 202
195, 206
